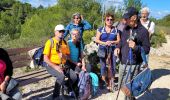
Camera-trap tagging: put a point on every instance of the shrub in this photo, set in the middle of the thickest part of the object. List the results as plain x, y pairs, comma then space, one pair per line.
87, 35
158, 38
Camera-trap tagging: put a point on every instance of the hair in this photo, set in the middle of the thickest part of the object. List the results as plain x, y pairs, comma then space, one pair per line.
76, 14
145, 9
109, 15
74, 29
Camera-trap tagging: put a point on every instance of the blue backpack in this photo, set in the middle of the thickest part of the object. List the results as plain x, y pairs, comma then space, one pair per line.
38, 56
88, 85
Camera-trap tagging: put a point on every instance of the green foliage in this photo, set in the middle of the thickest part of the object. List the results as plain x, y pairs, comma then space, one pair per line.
158, 38
87, 35
133, 3
165, 21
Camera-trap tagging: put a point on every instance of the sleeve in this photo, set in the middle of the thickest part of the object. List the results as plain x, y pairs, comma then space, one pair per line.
47, 48
145, 43
86, 24
67, 30
152, 28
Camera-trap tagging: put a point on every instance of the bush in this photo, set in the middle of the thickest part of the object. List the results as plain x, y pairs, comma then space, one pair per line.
87, 35
158, 38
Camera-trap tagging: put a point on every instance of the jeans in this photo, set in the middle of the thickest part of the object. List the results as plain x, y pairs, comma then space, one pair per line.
60, 79
134, 71
103, 68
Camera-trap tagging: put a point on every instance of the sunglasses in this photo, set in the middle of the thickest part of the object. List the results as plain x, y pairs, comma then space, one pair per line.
62, 31
77, 18
109, 19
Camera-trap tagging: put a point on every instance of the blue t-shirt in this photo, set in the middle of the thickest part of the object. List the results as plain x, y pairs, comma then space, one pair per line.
107, 36
74, 51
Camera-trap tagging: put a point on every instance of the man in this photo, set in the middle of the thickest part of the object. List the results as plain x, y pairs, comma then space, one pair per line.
149, 25
134, 36
55, 53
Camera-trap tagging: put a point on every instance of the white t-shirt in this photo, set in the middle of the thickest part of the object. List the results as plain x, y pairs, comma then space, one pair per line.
151, 28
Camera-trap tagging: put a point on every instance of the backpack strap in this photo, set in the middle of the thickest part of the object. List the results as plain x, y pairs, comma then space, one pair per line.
149, 24
52, 43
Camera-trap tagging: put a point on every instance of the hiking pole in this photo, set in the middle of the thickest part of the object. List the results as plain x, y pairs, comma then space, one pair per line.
122, 79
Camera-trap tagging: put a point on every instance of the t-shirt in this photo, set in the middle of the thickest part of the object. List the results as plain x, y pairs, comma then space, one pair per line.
2, 70
74, 51
151, 28
53, 53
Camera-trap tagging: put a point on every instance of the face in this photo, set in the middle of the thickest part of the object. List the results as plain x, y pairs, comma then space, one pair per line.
131, 21
109, 21
144, 15
60, 34
75, 35
76, 19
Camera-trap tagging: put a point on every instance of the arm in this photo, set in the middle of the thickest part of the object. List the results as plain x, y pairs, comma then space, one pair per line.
86, 26
4, 84
98, 34
151, 29
67, 30
56, 67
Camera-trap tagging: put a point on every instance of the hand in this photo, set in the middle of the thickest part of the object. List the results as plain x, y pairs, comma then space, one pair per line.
79, 64
83, 68
82, 17
116, 52
108, 43
3, 86
132, 44
58, 68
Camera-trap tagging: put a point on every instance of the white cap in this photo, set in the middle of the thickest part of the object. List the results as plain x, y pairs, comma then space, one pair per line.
59, 27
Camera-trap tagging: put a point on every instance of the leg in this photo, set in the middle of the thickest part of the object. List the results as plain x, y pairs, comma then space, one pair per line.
59, 80
103, 69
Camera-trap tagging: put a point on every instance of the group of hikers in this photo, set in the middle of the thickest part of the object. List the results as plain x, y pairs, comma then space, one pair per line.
133, 33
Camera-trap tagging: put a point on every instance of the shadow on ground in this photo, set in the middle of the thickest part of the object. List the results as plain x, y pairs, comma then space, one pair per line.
156, 94
157, 73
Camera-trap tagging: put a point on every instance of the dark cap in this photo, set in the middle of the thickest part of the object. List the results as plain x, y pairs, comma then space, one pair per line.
130, 12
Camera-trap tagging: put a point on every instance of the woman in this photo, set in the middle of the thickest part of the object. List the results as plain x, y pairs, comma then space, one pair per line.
6, 71
79, 23
107, 37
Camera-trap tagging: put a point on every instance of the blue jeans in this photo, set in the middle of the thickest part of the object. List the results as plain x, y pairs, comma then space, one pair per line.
103, 68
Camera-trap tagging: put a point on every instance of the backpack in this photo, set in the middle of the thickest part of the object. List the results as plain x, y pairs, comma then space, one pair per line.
88, 85
84, 85
38, 57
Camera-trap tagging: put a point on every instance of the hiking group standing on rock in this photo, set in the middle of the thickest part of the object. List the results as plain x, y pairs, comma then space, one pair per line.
128, 41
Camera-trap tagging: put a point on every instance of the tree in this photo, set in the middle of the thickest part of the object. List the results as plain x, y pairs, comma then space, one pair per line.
133, 3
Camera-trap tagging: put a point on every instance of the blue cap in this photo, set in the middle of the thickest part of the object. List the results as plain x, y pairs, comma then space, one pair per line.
130, 12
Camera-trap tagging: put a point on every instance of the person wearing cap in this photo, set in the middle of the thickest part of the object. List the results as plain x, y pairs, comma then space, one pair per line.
77, 22
6, 71
55, 56
149, 25
134, 36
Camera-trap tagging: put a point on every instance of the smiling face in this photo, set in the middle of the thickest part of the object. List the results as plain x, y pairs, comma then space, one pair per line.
144, 15
75, 35
109, 21
77, 19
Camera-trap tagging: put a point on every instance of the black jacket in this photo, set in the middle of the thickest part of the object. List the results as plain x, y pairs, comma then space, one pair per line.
141, 38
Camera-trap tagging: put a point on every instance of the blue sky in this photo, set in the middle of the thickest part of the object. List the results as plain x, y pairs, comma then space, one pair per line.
158, 8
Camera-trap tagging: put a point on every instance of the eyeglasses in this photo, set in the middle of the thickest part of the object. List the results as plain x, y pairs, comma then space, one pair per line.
109, 19
77, 18
62, 31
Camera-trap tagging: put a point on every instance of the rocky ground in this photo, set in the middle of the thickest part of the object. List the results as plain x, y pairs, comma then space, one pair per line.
160, 88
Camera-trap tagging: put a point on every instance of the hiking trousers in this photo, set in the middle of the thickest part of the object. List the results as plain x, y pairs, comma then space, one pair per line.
134, 71
60, 79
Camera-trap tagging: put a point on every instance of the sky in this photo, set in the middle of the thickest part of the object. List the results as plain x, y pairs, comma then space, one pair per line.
158, 8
